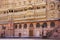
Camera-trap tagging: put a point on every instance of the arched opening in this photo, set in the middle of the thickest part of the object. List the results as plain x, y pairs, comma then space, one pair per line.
52, 24
31, 25
37, 25
20, 26
3, 27
15, 26
44, 25
25, 26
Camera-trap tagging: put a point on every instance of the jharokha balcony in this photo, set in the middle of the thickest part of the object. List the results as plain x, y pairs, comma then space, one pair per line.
30, 19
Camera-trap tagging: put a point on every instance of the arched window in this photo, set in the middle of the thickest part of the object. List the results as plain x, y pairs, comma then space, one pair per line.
3, 27
31, 25
44, 25
37, 25
20, 25
43, 7
30, 8
52, 24
15, 26
38, 7
25, 25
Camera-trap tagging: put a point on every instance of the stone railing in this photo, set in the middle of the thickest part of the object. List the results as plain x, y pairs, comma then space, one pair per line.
49, 34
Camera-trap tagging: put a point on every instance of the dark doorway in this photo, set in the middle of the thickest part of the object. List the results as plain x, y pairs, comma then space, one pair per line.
19, 34
30, 33
2, 35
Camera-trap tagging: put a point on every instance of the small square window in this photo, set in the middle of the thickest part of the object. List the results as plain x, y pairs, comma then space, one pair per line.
4, 12
25, 9
10, 10
43, 6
